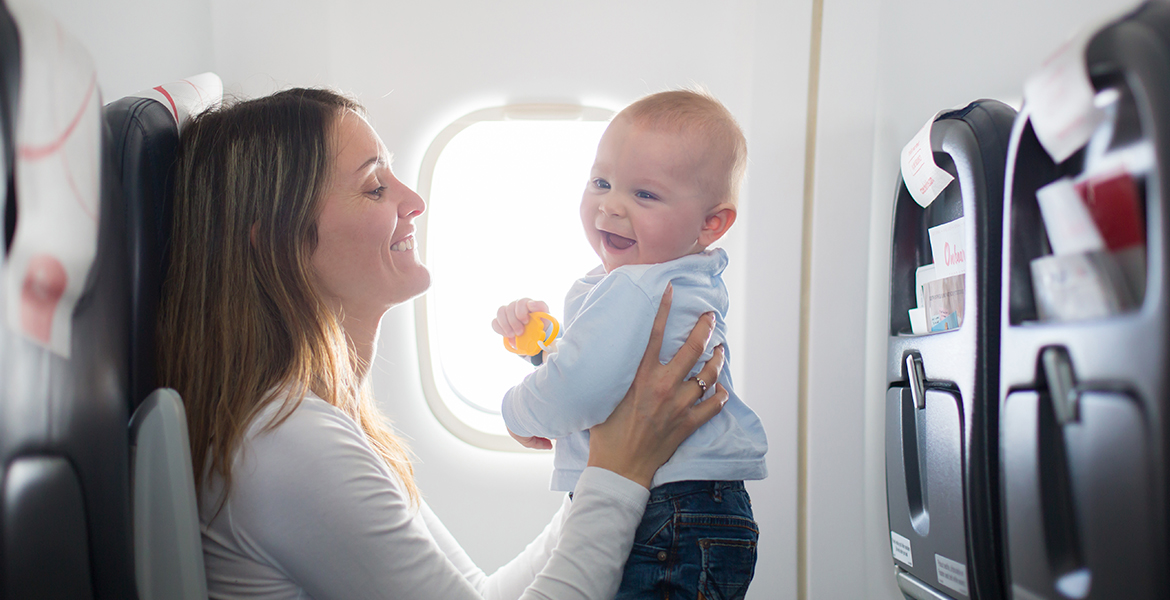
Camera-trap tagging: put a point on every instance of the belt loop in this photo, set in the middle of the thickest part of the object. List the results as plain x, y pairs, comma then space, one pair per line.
718, 492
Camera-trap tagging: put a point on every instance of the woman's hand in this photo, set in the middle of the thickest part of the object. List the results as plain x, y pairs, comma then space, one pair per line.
659, 410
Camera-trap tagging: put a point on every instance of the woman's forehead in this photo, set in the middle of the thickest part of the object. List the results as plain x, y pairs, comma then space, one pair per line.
358, 146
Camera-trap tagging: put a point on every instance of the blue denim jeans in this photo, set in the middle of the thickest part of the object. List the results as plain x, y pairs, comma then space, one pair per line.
697, 539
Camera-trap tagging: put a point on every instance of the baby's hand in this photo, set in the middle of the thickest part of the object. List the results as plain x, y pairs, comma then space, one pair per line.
511, 319
532, 441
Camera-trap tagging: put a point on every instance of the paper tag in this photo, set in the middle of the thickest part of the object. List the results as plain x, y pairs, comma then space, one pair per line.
924, 179
901, 548
58, 181
187, 97
951, 574
1066, 218
948, 245
1059, 99
1087, 285
918, 321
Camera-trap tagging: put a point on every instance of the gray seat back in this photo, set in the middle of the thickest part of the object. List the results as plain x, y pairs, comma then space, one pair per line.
168, 552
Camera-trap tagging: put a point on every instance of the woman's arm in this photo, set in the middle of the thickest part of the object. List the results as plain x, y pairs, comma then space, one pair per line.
510, 580
313, 503
579, 555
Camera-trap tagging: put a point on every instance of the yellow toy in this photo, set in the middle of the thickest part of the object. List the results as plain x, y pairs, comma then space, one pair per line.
539, 334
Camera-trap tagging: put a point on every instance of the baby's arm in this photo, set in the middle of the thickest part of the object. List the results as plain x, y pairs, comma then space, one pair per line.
509, 322
594, 365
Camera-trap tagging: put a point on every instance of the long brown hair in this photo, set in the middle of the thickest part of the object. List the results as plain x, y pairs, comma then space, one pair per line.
241, 323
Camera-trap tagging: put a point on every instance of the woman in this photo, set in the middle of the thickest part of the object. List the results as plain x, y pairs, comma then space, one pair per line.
291, 239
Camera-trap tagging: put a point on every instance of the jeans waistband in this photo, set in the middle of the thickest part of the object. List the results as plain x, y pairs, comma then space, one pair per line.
675, 489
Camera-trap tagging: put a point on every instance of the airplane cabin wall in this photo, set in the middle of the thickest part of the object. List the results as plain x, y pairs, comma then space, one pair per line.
137, 45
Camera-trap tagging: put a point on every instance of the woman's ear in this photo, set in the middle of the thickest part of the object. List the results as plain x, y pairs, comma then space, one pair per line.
718, 221
255, 231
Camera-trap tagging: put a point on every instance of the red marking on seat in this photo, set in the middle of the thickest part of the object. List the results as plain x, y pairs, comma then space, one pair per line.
44, 284
196, 88
174, 109
31, 153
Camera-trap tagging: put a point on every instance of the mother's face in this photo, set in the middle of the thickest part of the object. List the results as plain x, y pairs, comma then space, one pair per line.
365, 260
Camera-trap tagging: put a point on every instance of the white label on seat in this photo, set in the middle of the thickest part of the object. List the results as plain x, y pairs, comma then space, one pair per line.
1070, 227
924, 179
951, 574
58, 181
1060, 99
901, 548
948, 246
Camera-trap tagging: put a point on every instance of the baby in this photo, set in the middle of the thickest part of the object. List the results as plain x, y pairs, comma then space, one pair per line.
663, 187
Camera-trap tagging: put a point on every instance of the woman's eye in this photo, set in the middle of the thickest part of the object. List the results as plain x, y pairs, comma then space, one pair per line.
645, 195
377, 192
601, 184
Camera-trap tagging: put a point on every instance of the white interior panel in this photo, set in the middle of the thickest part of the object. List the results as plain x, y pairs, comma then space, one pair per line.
137, 45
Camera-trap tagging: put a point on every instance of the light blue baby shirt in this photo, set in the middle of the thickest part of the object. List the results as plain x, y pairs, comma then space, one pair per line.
606, 328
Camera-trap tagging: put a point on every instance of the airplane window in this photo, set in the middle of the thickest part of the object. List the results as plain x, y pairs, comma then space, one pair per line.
503, 187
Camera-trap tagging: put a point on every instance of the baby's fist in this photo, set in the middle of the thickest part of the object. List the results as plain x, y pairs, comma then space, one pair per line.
511, 318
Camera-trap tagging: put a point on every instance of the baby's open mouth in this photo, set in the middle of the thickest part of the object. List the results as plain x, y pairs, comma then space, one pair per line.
618, 242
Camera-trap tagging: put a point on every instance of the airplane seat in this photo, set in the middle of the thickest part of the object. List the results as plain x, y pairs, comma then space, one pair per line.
1084, 425
145, 138
9, 82
64, 452
942, 385
145, 127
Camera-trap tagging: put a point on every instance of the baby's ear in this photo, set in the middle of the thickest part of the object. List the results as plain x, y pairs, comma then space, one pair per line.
718, 221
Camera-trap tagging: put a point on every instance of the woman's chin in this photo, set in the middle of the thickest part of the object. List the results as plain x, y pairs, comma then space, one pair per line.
414, 282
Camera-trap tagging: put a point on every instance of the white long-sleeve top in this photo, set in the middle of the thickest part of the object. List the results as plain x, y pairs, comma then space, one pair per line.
608, 317
313, 512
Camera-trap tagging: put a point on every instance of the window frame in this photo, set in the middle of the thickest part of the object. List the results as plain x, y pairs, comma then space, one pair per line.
438, 393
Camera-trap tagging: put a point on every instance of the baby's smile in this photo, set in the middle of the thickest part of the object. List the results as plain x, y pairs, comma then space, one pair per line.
617, 242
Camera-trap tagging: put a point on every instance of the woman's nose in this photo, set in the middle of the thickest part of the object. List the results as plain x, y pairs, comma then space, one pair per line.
412, 204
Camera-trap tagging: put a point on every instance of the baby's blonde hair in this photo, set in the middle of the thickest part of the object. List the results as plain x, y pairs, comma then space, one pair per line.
697, 112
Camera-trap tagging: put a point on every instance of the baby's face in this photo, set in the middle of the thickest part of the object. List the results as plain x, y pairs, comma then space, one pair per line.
645, 202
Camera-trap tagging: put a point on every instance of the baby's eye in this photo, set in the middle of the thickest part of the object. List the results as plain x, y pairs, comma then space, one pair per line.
645, 195
601, 184
376, 193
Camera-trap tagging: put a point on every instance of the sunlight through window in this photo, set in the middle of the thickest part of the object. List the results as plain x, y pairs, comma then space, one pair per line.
502, 224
